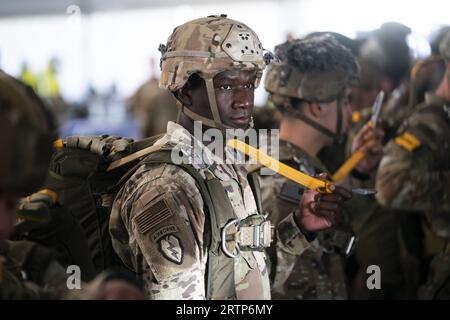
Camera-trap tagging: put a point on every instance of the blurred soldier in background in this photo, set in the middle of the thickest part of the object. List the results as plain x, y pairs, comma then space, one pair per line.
49, 90
391, 241
311, 88
414, 175
27, 131
29, 270
152, 106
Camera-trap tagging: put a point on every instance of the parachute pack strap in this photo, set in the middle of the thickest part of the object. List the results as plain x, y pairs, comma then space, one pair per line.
131, 157
254, 185
220, 282
220, 279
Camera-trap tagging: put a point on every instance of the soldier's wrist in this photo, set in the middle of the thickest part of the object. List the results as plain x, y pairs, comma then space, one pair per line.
309, 236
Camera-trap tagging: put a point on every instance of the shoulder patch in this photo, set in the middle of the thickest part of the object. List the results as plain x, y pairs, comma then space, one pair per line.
408, 141
154, 215
170, 247
164, 239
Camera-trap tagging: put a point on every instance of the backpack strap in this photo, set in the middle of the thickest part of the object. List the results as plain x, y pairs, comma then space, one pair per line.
253, 181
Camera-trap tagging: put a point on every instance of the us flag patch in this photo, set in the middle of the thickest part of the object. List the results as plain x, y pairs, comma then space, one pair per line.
153, 216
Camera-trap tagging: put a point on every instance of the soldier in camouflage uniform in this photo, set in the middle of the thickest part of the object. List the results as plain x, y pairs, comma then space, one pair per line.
29, 270
387, 238
26, 269
414, 174
311, 87
165, 220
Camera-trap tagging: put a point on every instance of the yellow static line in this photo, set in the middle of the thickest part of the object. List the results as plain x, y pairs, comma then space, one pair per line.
279, 167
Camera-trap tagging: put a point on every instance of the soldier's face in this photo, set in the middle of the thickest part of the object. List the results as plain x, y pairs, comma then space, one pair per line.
235, 96
234, 91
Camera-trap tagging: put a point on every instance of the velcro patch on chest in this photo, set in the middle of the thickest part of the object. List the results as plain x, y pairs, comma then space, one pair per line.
153, 216
408, 141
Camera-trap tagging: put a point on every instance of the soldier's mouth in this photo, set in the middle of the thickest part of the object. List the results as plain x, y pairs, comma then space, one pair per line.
243, 120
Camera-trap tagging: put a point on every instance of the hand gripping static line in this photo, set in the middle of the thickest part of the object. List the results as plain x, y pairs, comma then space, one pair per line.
356, 157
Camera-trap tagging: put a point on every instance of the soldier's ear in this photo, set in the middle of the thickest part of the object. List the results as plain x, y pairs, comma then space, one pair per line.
315, 109
184, 95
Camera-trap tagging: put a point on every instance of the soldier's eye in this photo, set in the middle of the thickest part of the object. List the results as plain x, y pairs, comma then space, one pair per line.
225, 87
250, 86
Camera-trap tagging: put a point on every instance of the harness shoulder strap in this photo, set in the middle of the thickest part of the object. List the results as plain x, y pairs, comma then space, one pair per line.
220, 282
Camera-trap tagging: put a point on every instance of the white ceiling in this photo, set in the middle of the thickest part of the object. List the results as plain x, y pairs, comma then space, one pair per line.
10, 8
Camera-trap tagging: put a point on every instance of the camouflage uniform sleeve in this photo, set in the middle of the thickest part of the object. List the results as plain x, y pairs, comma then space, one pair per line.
164, 218
409, 179
289, 240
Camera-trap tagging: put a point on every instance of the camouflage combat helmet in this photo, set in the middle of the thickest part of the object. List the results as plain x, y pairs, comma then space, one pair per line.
315, 69
26, 135
444, 47
208, 46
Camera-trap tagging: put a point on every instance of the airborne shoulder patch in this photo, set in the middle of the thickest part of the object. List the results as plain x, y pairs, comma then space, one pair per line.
408, 141
164, 239
153, 216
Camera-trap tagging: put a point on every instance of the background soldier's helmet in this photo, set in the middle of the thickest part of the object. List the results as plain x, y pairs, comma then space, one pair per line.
208, 46
444, 47
317, 69
26, 134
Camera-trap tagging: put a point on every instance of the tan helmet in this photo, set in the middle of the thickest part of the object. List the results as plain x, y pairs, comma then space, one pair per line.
444, 47
26, 134
206, 47
315, 69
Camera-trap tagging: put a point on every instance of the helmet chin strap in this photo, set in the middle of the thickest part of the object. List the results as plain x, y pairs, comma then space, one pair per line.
337, 136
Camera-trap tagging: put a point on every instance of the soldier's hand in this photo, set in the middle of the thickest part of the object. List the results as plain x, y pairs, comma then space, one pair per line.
368, 140
318, 211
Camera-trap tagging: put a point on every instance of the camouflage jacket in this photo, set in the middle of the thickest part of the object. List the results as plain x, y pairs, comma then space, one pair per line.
163, 241
318, 273
414, 172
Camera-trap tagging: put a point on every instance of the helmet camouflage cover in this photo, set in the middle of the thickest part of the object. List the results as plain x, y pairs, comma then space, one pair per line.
316, 69
206, 47
26, 134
